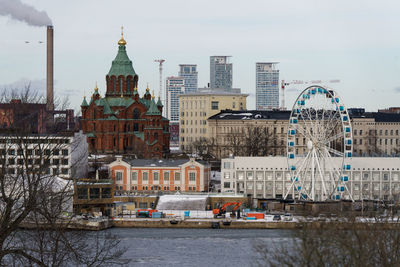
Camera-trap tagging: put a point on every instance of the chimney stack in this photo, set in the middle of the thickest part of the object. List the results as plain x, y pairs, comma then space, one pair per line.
50, 69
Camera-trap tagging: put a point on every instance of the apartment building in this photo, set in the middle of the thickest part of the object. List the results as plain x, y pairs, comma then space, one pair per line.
267, 86
196, 107
168, 176
63, 155
376, 178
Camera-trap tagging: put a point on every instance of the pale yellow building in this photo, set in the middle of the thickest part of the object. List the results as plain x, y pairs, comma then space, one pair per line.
374, 133
196, 108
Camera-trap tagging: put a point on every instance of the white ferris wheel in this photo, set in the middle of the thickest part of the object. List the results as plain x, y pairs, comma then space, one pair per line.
319, 146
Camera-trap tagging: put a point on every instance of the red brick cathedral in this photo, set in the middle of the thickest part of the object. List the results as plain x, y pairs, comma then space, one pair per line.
123, 122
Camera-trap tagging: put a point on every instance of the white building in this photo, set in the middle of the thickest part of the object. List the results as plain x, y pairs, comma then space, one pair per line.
64, 155
375, 178
267, 86
174, 87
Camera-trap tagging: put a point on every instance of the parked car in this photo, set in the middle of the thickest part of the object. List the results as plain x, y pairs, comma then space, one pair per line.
288, 217
276, 218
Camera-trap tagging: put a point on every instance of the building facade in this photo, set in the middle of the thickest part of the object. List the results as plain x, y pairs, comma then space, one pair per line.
220, 72
250, 132
175, 86
64, 155
190, 75
166, 176
268, 177
122, 121
374, 133
267, 86
195, 108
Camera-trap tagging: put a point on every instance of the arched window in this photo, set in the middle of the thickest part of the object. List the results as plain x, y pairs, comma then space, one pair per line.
128, 85
135, 114
121, 82
155, 136
135, 127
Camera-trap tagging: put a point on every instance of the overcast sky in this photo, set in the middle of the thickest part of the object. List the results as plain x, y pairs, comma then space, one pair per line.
357, 42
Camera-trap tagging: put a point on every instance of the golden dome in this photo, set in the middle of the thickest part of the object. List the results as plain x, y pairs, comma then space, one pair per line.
122, 40
96, 89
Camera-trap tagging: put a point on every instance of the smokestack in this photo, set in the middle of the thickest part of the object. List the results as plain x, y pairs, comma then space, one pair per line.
50, 69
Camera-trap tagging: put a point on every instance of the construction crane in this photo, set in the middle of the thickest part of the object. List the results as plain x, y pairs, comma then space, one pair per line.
301, 82
160, 61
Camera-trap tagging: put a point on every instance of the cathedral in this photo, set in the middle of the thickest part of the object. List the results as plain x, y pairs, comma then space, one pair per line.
122, 122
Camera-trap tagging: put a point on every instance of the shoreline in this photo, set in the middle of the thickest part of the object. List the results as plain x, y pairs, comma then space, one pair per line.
99, 225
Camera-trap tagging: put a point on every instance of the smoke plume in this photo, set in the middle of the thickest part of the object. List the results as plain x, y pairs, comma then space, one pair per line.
23, 12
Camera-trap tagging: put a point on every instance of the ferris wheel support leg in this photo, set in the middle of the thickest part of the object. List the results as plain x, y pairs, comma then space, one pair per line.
322, 179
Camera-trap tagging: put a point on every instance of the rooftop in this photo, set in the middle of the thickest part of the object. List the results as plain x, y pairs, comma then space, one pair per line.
159, 162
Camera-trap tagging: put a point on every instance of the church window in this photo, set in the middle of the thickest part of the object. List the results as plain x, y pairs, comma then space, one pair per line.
135, 114
115, 127
115, 143
128, 81
135, 127
121, 82
155, 136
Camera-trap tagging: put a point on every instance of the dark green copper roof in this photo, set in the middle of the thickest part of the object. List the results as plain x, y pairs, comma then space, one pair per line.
153, 110
121, 65
84, 102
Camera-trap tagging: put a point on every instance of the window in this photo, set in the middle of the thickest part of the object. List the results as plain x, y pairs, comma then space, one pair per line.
82, 193
214, 105
192, 177
227, 175
65, 162
166, 176
145, 176
365, 177
249, 175
135, 114
177, 176
260, 175
227, 165
227, 185
64, 171
155, 176
134, 177
240, 175
118, 176
65, 152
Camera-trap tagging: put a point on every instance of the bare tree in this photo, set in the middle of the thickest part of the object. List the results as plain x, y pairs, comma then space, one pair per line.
346, 242
33, 195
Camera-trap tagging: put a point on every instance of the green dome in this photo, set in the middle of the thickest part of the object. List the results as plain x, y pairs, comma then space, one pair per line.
122, 65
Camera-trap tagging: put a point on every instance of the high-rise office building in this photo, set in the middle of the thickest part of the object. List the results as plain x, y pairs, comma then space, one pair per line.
220, 72
189, 73
267, 86
174, 87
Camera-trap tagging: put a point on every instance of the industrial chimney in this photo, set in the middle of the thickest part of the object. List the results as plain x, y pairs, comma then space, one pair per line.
50, 69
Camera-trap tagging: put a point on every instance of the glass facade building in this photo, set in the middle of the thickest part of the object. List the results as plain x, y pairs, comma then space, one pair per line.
220, 72
174, 87
267, 86
190, 75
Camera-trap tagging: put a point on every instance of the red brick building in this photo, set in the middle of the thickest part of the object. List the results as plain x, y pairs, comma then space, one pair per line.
122, 121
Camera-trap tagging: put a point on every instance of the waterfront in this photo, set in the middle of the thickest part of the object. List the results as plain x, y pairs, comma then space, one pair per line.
194, 247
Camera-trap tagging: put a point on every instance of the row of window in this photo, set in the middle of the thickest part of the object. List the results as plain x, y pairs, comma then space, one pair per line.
372, 132
145, 176
37, 152
56, 171
157, 187
12, 161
